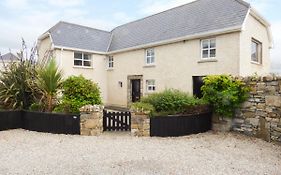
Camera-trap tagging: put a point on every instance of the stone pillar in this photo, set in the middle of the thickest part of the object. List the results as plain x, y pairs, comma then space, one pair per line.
91, 120
140, 125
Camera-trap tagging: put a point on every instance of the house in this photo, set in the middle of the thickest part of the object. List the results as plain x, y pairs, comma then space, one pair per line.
6, 59
171, 49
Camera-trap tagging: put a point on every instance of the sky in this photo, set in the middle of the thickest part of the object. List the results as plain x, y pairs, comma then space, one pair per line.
29, 19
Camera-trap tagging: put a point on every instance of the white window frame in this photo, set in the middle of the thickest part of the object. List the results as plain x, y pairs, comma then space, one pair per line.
110, 64
150, 86
83, 60
209, 48
149, 56
259, 51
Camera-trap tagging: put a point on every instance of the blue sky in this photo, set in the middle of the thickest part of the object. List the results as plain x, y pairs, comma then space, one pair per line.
30, 18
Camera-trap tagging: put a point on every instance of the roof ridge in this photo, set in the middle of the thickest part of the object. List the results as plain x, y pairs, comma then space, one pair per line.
242, 2
84, 26
195, 1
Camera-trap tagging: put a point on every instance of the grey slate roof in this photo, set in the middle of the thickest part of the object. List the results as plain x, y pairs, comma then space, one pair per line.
81, 37
8, 57
189, 19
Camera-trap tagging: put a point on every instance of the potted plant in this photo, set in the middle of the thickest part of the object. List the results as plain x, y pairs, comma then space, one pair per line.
225, 94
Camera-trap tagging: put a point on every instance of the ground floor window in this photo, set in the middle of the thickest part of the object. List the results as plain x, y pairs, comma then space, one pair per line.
150, 86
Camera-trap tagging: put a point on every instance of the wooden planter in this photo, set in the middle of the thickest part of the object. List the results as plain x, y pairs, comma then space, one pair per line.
180, 125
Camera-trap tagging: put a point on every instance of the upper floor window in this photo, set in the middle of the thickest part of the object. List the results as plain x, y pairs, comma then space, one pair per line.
208, 48
150, 85
256, 51
150, 57
110, 62
82, 59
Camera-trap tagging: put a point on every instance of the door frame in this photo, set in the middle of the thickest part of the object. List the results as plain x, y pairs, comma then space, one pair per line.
129, 87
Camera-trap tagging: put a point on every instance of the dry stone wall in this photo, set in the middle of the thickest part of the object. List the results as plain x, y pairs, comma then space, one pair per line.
260, 115
91, 120
140, 125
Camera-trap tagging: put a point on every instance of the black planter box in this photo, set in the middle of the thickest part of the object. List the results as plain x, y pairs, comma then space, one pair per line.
174, 126
40, 122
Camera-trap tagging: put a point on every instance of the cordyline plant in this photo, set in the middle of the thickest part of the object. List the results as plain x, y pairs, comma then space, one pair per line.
49, 81
16, 77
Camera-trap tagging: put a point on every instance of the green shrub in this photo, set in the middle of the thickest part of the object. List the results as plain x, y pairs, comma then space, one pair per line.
145, 108
171, 101
36, 107
224, 93
78, 92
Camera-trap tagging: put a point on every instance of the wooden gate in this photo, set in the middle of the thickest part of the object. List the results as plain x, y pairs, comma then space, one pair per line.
116, 121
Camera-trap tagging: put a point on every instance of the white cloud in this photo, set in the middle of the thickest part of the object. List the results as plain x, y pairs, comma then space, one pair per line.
149, 7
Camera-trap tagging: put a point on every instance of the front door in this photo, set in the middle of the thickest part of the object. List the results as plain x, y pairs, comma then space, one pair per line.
136, 92
197, 84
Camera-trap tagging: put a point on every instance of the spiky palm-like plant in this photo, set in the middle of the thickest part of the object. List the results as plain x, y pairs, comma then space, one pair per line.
16, 77
49, 81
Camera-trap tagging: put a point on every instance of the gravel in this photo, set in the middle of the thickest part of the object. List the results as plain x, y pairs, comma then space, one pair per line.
25, 152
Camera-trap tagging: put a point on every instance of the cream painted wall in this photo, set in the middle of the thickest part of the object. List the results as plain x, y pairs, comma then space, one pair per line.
175, 65
254, 29
44, 46
97, 73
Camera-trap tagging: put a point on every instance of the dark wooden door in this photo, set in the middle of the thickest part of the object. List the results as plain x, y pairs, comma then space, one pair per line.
197, 84
136, 94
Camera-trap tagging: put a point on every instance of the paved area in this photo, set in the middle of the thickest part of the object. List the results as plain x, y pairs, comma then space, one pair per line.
25, 152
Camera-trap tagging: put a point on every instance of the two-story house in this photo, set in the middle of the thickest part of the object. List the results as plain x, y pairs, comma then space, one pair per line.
171, 49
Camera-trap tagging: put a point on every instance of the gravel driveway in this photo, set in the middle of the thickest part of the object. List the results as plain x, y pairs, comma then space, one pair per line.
25, 152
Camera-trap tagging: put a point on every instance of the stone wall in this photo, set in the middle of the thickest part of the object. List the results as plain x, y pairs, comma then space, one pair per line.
140, 125
260, 116
91, 120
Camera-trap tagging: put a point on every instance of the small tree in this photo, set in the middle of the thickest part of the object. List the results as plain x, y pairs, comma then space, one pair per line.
224, 93
49, 82
78, 92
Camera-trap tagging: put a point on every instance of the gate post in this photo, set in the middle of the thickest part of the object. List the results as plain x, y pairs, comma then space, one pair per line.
91, 120
140, 125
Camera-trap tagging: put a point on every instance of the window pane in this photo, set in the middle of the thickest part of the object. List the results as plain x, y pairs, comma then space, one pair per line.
213, 53
86, 57
205, 54
254, 53
148, 60
87, 63
77, 62
78, 55
205, 44
152, 59
213, 43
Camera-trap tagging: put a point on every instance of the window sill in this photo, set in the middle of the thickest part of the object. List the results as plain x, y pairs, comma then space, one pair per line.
149, 65
207, 60
149, 92
110, 69
82, 67
256, 63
